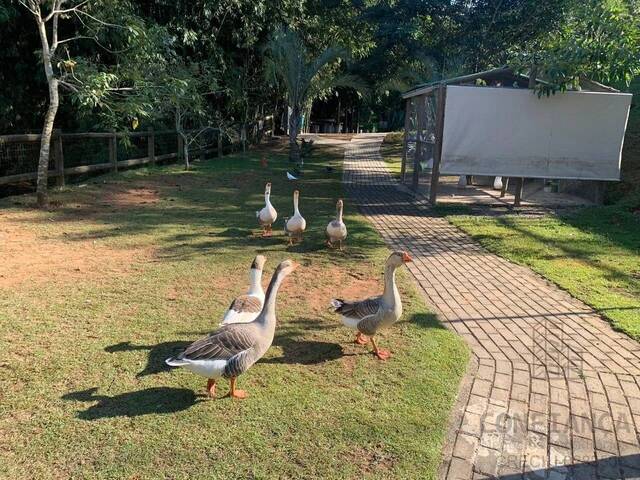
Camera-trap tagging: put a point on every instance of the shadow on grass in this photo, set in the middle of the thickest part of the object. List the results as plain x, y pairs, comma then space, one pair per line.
156, 357
158, 400
305, 352
426, 320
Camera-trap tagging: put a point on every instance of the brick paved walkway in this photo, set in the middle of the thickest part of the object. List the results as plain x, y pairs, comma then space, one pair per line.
553, 391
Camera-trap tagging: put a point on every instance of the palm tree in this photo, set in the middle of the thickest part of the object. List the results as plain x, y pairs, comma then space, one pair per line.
303, 77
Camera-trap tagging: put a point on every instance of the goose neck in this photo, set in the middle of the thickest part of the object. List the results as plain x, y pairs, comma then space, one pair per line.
268, 314
295, 205
390, 293
255, 279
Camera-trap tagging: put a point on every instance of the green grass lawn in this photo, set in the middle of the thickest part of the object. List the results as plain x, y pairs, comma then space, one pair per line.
593, 253
84, 392
391, 151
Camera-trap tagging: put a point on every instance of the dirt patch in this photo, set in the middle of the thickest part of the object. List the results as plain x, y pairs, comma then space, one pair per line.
316, 285
29, 259
123, 196
372, 459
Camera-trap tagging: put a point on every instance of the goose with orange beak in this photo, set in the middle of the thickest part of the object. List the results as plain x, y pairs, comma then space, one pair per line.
370, 315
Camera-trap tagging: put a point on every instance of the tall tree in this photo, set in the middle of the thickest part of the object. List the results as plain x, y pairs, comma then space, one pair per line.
304, 77
60, 68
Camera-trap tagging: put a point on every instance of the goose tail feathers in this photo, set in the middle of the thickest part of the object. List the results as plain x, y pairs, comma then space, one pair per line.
175, 362
337, 303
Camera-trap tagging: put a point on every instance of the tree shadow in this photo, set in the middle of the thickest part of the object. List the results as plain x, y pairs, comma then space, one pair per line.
426, 320
157, 400
623, 466
157, 354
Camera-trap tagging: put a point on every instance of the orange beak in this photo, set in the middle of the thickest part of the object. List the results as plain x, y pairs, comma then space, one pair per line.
406, 258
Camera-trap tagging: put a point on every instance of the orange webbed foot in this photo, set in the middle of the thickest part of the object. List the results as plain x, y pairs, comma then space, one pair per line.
239, 394
361, 339
382, 354
211, 389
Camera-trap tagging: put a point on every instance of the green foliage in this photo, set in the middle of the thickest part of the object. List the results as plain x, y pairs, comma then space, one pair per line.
599, 40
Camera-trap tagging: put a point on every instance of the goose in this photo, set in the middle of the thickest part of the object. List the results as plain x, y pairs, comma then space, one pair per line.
370, 315
337, 230
268, 215
233, 349
246, 308
296, 225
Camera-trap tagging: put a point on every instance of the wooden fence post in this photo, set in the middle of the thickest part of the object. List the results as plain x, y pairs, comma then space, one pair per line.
151, 146
113, 152
59, 157
220, 152
518, 195
505, 187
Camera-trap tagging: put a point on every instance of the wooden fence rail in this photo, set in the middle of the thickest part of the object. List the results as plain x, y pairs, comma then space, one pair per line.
19, 153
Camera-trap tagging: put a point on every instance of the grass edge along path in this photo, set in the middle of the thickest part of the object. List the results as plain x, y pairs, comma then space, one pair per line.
593, 253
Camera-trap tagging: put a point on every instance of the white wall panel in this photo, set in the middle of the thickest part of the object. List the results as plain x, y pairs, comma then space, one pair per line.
512, 132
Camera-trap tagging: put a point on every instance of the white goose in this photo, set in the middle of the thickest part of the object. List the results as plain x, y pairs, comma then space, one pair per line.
337, 230
296, 225
268, 215
246, 308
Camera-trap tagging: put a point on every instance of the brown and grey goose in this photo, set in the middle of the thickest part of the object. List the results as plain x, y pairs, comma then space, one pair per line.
368, 316
233, 349
245, 308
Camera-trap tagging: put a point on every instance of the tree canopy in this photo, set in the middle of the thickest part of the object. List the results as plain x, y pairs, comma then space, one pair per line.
220, 45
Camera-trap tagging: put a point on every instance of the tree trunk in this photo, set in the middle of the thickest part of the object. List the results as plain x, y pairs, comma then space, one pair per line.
47, 128
294, 126
185, 150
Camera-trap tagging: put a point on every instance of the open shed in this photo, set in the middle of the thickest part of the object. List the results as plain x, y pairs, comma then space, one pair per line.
491, 124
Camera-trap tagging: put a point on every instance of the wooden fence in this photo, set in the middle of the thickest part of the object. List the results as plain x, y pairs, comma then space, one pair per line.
78, 153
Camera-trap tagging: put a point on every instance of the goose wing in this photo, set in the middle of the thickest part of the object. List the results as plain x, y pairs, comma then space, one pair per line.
359, 309
222, 344
367, 312
244, 308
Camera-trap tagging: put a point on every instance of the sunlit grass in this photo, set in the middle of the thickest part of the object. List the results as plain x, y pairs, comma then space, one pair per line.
593, 253
391, 151
84, 392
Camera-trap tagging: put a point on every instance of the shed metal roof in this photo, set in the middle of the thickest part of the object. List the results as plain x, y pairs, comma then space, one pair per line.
501, 73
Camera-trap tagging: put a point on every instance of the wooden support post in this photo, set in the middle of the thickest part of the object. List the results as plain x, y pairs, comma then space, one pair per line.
518, 195
407, 114
151, 146
59, 157
505, 186
113, 152
220, 152
420, 139
441, 98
